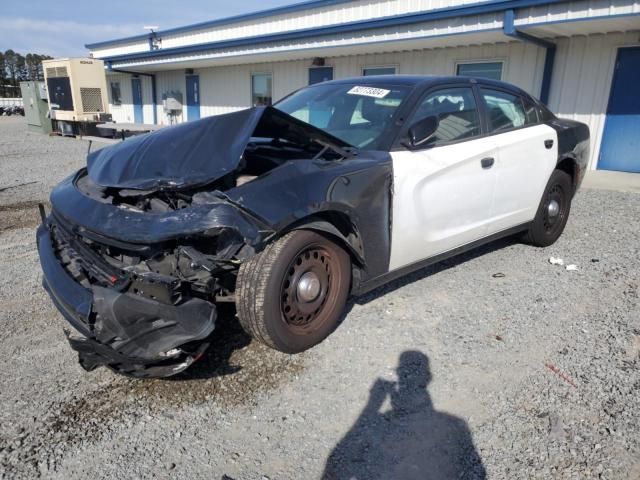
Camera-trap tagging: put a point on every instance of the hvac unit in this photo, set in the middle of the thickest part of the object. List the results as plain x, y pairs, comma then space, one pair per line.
77, 92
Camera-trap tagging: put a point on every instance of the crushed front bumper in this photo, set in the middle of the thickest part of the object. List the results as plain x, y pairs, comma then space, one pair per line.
128, 333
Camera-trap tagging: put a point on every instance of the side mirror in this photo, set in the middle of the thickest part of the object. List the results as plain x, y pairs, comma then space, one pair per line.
421, 131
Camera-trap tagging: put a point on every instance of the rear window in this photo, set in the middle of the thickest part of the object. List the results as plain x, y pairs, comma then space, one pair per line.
456, 111
506, 111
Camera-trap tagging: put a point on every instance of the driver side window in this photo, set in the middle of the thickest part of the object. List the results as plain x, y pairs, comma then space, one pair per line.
456, 111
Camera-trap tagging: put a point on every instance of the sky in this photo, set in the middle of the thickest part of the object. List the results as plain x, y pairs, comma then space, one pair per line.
61, 28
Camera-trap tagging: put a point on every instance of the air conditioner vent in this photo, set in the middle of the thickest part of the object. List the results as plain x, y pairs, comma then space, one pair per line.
91, 99
53, 72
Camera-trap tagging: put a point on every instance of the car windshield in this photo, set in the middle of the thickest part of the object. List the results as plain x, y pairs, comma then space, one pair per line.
357, 114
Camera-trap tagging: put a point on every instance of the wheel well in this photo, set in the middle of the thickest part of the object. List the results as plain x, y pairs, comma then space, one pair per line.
339, 226
570, 167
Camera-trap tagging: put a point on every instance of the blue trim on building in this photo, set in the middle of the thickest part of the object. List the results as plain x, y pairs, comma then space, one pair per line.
296, 7
584, 19
509, 29
378, 42
154, 96
547, 73
492, 6
508, 25
391, 21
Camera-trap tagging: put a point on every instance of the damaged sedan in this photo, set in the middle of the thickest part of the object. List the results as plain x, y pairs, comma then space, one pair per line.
288, 210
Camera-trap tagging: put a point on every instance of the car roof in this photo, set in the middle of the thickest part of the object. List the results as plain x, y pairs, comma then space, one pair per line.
423, 81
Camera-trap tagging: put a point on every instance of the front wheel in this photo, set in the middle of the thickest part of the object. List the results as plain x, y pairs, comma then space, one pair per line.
292, 294
553, 211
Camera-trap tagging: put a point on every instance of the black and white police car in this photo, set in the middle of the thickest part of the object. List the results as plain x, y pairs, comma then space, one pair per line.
288, 210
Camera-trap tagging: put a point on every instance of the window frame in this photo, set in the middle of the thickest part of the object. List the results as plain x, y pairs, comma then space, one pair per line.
396, 69
314, 67
519, 95
111, 82
502, 61
253, 74
402, 137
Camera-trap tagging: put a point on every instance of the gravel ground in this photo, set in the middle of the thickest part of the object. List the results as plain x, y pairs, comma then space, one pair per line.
533, 373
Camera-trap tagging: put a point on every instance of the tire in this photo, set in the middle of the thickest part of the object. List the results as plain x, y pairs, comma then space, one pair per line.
553, 211
291, 296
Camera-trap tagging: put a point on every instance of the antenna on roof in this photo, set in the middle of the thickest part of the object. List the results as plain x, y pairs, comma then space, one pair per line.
154, 42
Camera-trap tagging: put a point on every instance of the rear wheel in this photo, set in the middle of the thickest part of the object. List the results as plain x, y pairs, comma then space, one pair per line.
553, 211
292, 294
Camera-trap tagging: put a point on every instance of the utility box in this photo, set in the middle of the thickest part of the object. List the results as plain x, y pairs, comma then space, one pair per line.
36, 106
172, 105
77, 92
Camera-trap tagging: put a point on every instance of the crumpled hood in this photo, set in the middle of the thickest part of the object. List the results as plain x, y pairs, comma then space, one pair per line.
194, 153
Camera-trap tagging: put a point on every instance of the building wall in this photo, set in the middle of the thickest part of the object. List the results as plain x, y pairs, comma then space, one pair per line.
225, 89
581, 80
579, 90
343, 12
124, 113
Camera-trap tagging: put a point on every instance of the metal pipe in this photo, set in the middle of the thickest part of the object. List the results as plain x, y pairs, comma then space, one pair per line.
509, 29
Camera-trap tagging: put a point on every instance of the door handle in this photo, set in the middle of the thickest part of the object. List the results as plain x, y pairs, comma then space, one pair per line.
548, 144
487, 162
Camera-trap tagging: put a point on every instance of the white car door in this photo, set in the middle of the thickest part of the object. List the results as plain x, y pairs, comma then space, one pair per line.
527, 154
443, 194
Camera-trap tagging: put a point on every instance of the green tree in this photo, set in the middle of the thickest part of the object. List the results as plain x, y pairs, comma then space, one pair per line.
3, 73
14, 64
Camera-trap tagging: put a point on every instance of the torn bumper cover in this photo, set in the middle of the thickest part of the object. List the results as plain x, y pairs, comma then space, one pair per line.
134, 335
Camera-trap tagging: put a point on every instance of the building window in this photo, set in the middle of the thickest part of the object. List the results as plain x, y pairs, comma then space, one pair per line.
492, 70
366, 71
320, 74
261, 89
116, 96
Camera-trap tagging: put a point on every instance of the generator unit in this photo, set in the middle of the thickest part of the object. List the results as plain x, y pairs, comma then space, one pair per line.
77, 91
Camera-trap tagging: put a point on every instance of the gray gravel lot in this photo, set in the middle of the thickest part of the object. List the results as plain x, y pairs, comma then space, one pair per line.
534, 374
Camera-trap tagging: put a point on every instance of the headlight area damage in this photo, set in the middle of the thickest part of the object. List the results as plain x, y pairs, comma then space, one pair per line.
142, 310
141, 245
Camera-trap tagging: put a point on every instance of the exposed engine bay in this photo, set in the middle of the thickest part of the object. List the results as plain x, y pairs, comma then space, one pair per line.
259, 157
153, 296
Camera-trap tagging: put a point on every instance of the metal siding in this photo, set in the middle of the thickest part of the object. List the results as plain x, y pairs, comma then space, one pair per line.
620, 143
168, 81
137, 46
415, 32
121, 113
147, 95
575, 10
311, 18
582, 80
579, 90
226, 89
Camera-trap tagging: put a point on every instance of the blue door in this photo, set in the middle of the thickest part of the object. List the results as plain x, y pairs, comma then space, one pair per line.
136, 89
193, 97
320, 74
620, 147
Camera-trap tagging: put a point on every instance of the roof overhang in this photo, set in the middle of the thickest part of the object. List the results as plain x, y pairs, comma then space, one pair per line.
216, 59
462, 25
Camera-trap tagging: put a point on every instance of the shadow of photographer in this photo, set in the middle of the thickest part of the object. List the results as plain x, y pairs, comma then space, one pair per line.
409, 441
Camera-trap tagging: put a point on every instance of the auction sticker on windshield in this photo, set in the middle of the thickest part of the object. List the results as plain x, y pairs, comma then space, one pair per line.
369, 92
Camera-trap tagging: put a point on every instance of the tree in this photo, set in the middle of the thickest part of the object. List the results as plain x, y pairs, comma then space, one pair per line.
3, 73
14, 63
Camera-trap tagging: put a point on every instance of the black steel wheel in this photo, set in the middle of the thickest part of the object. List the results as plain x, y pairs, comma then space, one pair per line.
292, 294
553, 211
